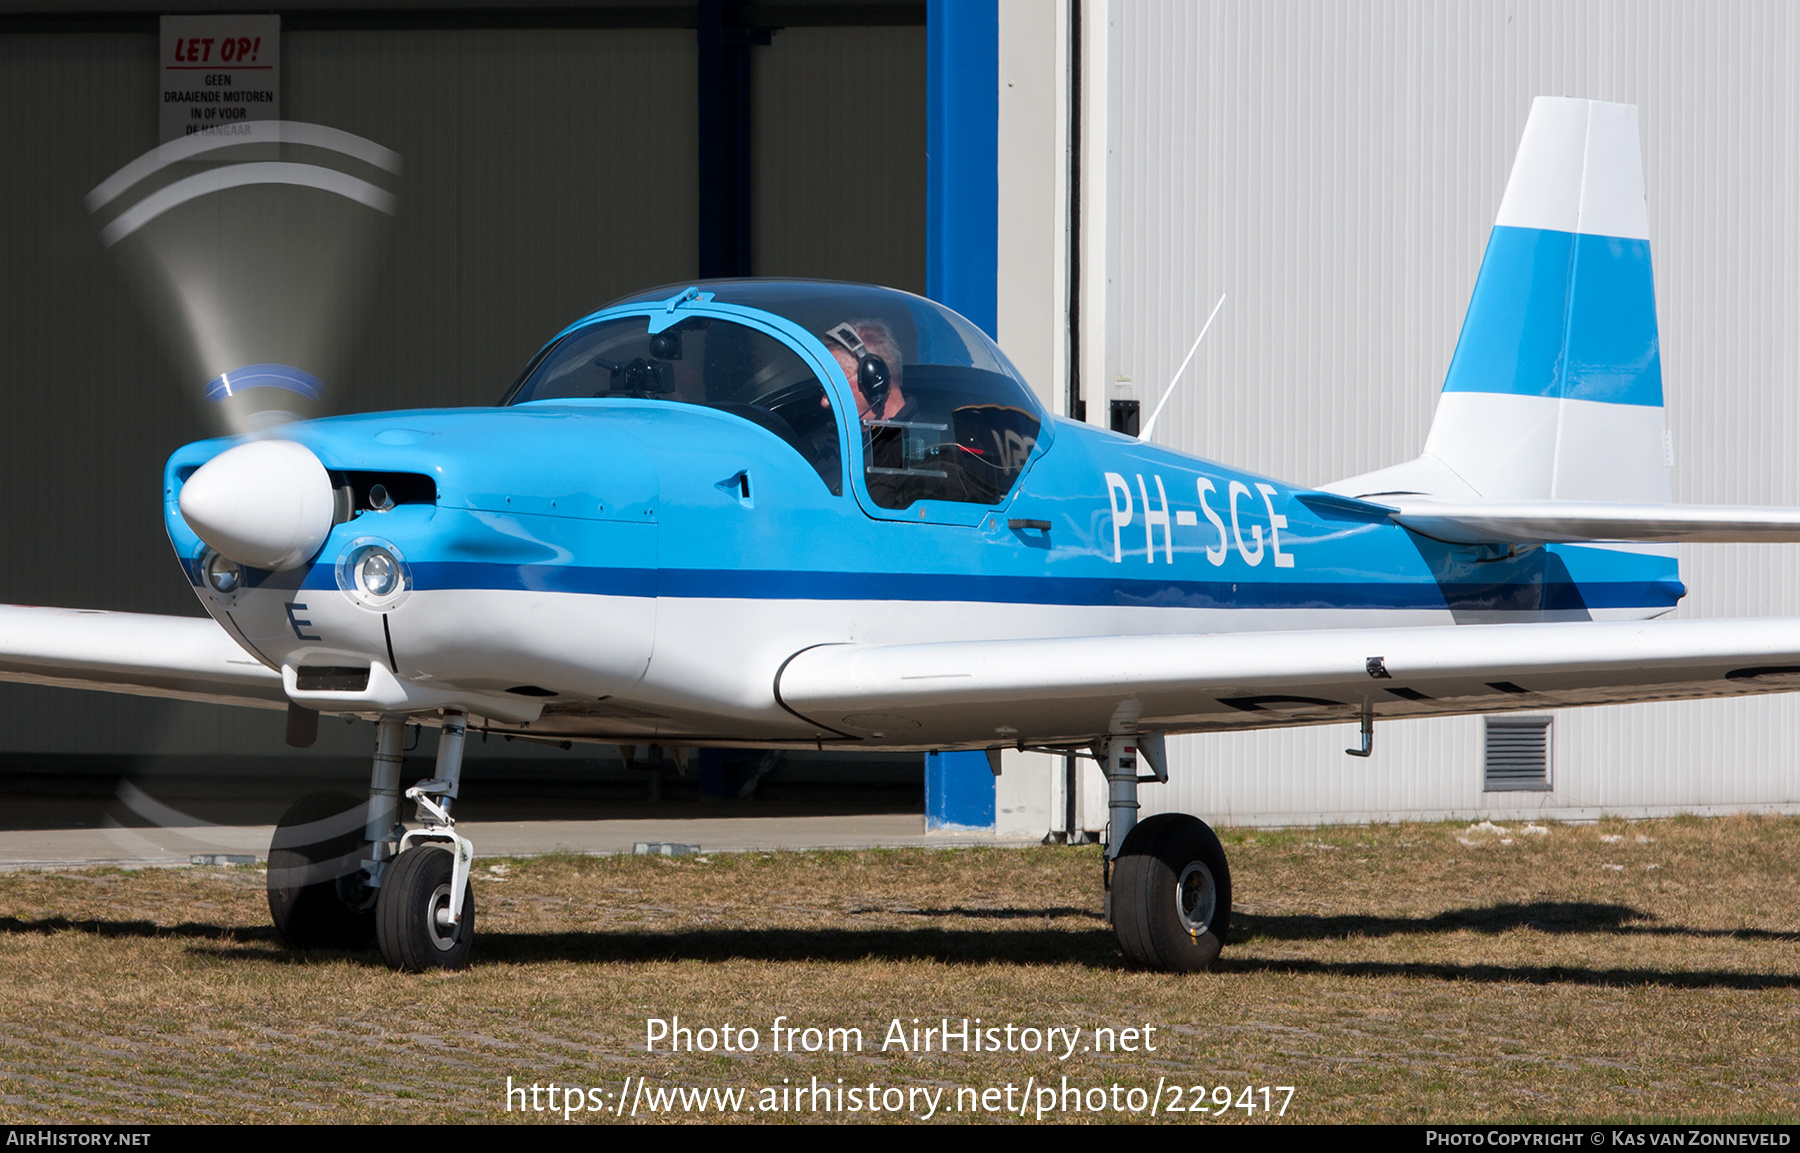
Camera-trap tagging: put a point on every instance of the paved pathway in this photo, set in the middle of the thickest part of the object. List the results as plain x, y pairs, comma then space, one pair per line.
113, 844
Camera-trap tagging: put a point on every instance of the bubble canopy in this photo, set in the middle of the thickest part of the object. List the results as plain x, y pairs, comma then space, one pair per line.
943, 414
926, 331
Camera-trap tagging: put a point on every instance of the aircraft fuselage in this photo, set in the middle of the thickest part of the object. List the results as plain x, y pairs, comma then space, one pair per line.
641, 569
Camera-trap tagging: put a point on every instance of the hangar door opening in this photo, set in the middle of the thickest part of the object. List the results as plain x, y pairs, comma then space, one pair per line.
550, 164
837, 147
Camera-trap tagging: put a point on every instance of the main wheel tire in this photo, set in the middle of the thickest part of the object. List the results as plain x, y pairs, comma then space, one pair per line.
1171, 894
414, 905
318, 897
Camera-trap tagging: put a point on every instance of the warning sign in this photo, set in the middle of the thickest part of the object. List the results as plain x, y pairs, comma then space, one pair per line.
218, 70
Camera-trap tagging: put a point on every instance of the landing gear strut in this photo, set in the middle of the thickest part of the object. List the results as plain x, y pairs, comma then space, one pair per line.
425, 914
1168, 883
329, 853
342, 873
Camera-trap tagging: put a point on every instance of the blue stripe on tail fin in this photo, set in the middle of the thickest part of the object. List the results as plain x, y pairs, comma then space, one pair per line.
1564, 315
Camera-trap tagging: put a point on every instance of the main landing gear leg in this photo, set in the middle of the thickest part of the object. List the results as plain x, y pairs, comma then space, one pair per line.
425, 917
330, 852
1168, 890
384, 827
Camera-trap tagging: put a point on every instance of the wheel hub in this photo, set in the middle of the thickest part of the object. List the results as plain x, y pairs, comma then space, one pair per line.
1195, 898
442, 926
356, 893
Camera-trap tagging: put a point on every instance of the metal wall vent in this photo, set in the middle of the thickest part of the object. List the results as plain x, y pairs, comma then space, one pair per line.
1518, 754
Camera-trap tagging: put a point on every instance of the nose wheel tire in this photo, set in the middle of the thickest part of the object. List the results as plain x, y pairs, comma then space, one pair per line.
1171, 894
412, 915
318, 896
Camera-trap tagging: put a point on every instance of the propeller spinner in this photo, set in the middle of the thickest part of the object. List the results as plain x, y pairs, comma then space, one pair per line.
266, 504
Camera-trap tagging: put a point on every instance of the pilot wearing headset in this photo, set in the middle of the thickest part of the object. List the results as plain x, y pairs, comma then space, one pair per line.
870, 358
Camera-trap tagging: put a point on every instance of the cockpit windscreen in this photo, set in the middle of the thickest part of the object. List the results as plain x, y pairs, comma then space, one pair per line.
944, 415
709, 362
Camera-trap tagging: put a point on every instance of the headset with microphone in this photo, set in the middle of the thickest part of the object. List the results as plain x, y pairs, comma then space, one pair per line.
872, 375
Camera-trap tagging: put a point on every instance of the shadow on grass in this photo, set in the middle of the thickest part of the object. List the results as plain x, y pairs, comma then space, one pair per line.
1091, 948
1620, 977
192, 930
1544, 916
982, 914
1094, 948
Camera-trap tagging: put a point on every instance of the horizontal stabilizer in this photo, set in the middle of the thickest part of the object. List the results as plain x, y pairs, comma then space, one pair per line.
1557, 521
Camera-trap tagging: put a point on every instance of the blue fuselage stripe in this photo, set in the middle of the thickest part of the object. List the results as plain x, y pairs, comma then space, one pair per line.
1067, 591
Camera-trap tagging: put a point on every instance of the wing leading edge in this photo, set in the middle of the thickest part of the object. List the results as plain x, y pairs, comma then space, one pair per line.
186, 658
1052, 691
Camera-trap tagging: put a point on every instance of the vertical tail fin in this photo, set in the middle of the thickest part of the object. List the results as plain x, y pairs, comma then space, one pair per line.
1555, 390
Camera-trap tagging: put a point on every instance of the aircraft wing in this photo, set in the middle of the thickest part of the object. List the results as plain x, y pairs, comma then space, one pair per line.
1049, 691
188, 658
1563, 521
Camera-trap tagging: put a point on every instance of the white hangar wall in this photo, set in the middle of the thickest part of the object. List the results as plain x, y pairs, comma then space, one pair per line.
1335, 169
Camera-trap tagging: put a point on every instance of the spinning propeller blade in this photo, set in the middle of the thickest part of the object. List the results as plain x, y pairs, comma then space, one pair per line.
254, 248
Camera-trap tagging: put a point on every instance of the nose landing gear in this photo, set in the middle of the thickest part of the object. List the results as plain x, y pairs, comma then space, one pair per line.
425, 915
342, 874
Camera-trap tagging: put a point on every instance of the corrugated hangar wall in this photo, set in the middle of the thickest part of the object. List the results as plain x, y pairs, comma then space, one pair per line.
547, 170
1335, 169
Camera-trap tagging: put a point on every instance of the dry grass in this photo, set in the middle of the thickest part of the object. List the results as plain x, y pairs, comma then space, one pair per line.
1391, 973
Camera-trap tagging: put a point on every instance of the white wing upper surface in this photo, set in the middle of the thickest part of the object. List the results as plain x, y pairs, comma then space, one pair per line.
1048, 691
974, 693
187, 658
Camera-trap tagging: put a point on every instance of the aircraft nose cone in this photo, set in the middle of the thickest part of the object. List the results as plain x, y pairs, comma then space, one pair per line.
266, 504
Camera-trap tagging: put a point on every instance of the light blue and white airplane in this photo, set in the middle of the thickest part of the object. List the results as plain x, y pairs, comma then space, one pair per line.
797, 514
